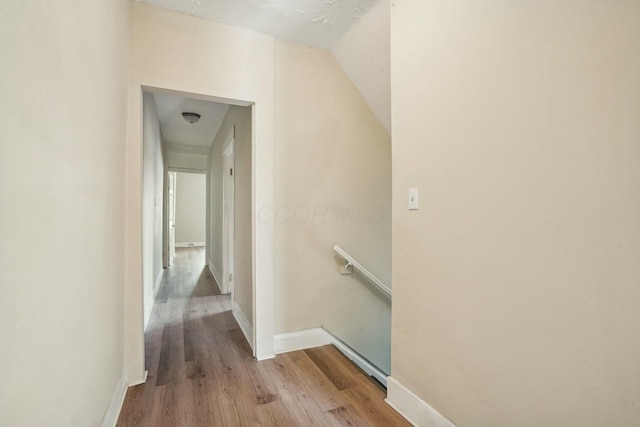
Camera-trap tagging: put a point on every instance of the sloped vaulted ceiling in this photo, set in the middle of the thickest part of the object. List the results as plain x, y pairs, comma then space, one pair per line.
355, 31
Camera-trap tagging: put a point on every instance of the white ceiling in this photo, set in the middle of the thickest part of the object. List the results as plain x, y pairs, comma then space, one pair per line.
177, 131
319, 23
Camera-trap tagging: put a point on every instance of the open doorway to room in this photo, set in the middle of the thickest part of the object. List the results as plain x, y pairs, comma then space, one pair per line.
202, 182
228, 215
171, 218
189, 214
187, 286
186, 273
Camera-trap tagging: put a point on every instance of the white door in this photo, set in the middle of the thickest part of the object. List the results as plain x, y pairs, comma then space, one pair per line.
172, 216
229, 210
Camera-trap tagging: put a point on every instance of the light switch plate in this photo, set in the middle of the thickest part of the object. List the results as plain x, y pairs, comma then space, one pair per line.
413, 199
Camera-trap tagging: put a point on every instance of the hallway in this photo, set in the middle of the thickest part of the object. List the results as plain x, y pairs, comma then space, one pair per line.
201, 372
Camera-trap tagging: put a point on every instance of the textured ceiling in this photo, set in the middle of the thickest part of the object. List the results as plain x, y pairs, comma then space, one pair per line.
319, 23
176, 130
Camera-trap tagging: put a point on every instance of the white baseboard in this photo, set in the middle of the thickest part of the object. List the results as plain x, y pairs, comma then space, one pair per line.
147, 315
265, 357
141, 381
113, 412
363, 363
245, 325
410, 406
316, 337
156, 287
190, 244
300, 340
216, 275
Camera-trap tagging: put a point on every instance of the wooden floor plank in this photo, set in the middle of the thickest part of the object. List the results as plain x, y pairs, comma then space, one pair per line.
201, 372
366, 400
310, 379
171, 365
347, 415
341, 377
343, 360
275, 414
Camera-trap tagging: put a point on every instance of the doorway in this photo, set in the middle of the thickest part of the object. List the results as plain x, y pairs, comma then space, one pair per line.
258, 302
228, 242
189, 209
171, 213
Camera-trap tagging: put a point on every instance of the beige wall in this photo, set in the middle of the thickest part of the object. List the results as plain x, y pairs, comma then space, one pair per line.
63, 81
152, 211
209, 68
190, 207
333, 186
240, 117
516, 284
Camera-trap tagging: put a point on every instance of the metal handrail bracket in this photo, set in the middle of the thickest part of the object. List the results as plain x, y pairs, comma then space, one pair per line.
351, 262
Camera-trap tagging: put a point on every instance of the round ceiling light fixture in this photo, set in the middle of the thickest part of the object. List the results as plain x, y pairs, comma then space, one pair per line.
191, 117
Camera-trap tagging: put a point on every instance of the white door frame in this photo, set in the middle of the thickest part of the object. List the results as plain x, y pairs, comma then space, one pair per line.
171, 214
228, 214
165, 217
262, 199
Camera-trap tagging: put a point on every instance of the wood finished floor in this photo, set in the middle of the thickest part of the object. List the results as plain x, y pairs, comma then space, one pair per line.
201, 372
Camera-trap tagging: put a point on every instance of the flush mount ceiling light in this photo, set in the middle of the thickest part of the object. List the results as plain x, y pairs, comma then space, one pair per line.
191, 117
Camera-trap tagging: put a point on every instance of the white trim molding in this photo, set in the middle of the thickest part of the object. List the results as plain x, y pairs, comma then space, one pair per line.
216, 276
229, 139
245, 325
156, 288
362, 363
141, 381
410, 406
187, 170
120, 392
317, 337
147, 315
300, 340
113, 412
190, 244
186, 149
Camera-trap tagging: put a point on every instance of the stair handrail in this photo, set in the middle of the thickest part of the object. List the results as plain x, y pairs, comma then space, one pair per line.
351, 262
